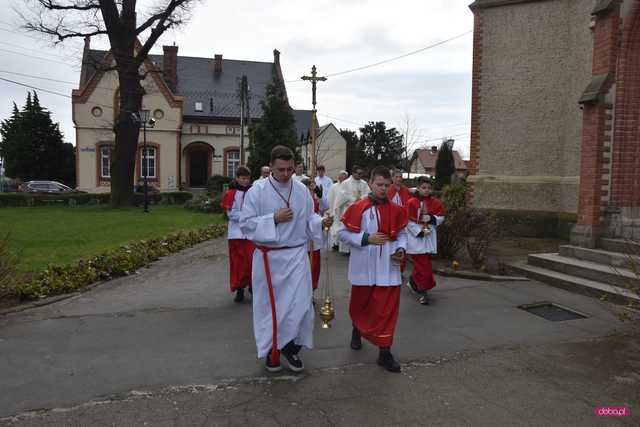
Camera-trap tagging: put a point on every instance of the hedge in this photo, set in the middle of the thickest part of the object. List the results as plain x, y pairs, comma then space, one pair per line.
72, 199
56, 280
521, 223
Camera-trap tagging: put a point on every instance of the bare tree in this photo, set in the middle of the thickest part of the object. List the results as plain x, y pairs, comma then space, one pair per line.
410, 138
130, 43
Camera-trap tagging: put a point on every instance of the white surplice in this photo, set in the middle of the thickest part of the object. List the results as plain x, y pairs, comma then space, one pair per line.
233, 229
290, 268
428, 244
325, 183
371, 264
350, 191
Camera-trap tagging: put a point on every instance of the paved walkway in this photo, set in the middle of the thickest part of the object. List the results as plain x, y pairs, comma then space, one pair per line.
169, 347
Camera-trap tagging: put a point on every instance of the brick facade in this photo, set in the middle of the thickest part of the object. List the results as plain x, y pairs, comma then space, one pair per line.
474, 158
596, 122
625, 166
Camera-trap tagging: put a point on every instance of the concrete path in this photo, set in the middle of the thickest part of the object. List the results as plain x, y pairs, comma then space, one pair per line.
169, 347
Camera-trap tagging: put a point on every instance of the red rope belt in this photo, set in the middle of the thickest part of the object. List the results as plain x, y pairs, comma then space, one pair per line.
275, 355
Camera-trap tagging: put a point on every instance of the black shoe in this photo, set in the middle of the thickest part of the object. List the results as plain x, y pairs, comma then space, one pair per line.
294, 361
386, 360
356, 340
239, 295
272, 367
250, 290
412, 287
424, 299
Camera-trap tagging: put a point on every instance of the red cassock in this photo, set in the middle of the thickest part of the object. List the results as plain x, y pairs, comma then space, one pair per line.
374, 312
240, 257
314, 256
240, 251
422, 275
374, 309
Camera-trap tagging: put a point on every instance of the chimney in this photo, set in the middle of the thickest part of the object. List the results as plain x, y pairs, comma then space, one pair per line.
217, 63
276, 56
170, 66
85, 61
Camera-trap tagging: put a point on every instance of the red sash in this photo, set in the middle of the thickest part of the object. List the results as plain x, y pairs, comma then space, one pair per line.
275, 356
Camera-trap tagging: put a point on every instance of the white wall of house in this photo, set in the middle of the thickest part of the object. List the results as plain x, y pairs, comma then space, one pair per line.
332, 151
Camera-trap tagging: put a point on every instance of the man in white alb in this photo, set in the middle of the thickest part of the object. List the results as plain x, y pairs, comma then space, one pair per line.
325, 183
351, 190
278, 216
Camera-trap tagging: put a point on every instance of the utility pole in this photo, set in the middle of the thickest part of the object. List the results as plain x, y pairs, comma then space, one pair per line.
243, 107
313, 78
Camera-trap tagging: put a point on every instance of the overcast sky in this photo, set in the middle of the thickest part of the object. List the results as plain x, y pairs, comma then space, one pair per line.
432, 87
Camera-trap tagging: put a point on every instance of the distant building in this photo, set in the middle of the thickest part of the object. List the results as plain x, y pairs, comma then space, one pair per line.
331, 147
195, 103
423, 161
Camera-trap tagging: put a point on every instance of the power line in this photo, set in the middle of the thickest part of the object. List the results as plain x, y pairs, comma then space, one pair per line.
395, 58
33, 56
32, 50
36, 88
37, 77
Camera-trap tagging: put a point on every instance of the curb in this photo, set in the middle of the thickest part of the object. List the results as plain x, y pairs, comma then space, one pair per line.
53, 299
474, 275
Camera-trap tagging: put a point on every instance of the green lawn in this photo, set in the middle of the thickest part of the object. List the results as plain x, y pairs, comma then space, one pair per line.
59, 235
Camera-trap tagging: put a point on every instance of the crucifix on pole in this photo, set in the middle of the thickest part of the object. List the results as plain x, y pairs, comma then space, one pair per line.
313, 78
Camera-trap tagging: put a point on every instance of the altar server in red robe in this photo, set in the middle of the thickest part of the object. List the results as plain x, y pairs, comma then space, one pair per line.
374, 228
314, 244
240, 248
398, 193
425, 214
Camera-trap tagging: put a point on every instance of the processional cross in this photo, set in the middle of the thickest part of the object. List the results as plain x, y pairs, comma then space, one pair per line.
314, 79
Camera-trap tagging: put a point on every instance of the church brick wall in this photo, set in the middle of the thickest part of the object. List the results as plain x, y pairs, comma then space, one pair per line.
532, 62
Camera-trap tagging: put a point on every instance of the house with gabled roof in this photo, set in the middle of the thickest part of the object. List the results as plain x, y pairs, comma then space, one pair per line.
423, 161
331, 147
195, 103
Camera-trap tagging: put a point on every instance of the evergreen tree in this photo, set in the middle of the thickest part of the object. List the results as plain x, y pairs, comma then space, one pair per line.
381, 146
33, 147
445, 165
277, 127
355, 154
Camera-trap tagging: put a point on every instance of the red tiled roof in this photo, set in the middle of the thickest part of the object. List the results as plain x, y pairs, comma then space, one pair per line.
428, 159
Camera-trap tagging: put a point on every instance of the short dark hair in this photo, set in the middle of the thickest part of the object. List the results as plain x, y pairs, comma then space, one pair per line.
397, 171
320, 168
380, 171
243, 171
424, 180
280, 152
306, 182
357, 168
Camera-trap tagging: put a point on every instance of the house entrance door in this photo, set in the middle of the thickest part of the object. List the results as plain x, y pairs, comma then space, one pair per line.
198, 168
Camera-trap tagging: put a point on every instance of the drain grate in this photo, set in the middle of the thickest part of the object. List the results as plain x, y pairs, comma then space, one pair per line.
552, 311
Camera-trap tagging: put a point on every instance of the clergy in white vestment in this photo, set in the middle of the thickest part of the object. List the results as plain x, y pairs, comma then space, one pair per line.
331, 200
325, 183
299, 173
352, 189
278, 216
265, 171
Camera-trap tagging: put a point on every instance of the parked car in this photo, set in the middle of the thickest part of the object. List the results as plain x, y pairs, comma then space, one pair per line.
51, 187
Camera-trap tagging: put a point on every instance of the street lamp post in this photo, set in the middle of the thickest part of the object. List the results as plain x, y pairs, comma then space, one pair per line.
144, 118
